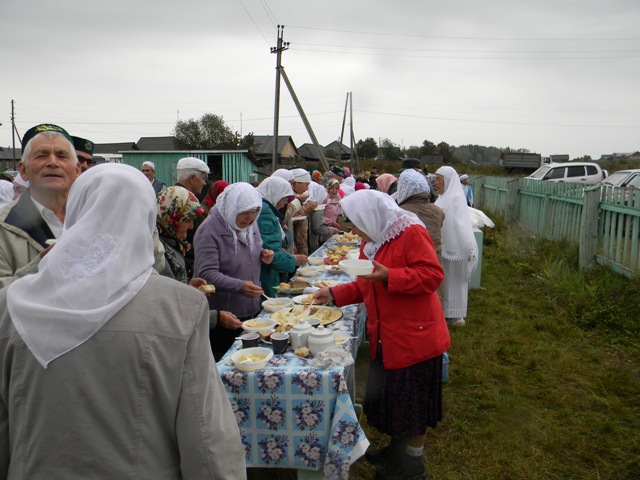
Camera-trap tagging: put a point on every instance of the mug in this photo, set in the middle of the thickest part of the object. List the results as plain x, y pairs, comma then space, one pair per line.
280, 342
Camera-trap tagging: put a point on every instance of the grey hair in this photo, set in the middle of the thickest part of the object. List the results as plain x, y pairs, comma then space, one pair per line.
26, 153
184, 174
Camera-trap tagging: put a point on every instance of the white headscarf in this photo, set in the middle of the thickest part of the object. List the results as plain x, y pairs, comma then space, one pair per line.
101, 261
301, 175
283, 173
411, 183
377, 215
274, 189
458, 241
317, 193
235, 199
6, 193
348, 186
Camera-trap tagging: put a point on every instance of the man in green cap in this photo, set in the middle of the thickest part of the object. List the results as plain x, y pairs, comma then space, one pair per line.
50, 165
84, 152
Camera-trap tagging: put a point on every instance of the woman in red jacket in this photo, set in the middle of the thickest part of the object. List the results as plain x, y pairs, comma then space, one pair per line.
405, 325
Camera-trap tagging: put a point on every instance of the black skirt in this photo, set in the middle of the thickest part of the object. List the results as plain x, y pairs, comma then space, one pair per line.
403, 402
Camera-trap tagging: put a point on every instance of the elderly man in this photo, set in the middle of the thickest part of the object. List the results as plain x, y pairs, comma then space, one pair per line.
84, 152
50, 165
192, 175
149, 170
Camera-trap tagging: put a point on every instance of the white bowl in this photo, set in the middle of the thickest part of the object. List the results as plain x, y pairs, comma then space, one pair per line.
357, 267
315, 260
243, 360
275, 304
307, 271
353, 254
258, 325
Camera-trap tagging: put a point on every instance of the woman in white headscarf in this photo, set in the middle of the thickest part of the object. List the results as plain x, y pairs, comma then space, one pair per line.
319, 230
405, 326
348, 186
276, 194
459, 247
229, 254
414, 194
97, 338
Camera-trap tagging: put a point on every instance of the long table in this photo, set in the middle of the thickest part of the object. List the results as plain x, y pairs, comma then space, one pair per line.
293, 415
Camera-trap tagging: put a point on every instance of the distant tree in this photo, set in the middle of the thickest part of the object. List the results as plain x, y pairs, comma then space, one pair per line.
209, 132
247, 142
389, 150
414, 151
444, 150
367, 148
427, 148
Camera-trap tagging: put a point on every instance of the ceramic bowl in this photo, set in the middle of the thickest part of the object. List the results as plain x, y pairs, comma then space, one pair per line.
275, 304
251, 359
315, 260
258, 325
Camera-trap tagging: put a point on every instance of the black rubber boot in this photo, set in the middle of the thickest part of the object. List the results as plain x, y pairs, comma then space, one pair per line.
385, 455
406, 468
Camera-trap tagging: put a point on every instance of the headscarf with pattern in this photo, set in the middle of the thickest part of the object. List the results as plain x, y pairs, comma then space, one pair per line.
176, 205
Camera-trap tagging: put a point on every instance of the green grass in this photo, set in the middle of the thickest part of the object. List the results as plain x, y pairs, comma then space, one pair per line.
544, 378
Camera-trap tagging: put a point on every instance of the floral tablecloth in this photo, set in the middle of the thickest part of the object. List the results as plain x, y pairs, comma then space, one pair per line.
293, 415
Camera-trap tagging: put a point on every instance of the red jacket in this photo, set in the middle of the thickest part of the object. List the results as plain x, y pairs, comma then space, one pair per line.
404, 312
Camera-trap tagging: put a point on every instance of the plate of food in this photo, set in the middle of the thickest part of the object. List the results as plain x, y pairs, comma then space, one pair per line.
295, 287
303, 299
347, 238
325, 283
333, 269
333, 255
286, 319
341, 337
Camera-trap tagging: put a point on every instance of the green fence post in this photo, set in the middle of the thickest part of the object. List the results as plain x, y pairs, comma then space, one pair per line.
589, 226
512, 206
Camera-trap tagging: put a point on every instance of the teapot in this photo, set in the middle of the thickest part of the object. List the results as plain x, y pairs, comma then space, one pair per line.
320, 339
299, 334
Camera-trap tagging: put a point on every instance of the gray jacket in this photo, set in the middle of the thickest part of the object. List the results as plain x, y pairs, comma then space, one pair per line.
142, 398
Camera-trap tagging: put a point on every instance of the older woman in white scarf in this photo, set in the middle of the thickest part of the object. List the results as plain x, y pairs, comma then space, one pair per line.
276, 193
229, 254
97, 331
405, 326
459, 248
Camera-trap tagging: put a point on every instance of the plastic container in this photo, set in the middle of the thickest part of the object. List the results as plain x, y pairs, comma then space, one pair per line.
258, 325
275, 304
357, 267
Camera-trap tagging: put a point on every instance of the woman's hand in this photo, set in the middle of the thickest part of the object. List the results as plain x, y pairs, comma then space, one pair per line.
266, 256
380, 273
250, 289
301, 260
309, 207
198, 282
322, 296
228, 320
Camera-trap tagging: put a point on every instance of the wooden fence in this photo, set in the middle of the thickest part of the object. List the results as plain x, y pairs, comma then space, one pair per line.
603, 221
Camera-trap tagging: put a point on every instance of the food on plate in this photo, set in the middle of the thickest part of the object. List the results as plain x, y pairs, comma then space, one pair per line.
306, 299
258, 323
325, 283
250, 357
335, 254
348, 237
286, 319
302, 351
207, 289
295, 286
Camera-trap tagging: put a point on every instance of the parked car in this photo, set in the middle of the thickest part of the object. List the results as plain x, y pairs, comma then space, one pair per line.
623, 178
586, 173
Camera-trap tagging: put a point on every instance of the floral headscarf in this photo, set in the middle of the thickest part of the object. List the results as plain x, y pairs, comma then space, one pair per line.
176, 205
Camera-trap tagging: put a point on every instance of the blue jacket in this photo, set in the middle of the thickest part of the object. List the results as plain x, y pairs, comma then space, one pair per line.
271, 233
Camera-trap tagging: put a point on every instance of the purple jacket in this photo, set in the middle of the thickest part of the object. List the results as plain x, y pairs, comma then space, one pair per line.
219, 264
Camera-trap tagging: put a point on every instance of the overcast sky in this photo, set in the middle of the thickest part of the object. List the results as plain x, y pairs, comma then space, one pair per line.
551, 76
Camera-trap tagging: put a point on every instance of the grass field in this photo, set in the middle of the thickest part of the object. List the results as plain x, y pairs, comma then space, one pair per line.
544, 378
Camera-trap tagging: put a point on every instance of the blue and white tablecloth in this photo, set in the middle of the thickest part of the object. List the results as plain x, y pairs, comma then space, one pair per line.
293, 415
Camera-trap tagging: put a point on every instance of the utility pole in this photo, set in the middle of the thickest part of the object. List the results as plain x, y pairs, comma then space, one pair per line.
344, 120
281, 47
13, 134
353, 142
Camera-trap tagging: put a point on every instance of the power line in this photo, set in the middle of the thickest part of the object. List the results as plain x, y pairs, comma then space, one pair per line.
254, 22
387, 34
270, 14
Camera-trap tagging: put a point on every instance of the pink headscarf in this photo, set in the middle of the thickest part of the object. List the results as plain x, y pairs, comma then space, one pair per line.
384, 181
360, 186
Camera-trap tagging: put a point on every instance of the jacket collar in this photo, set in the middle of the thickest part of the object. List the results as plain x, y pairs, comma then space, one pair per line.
25, 216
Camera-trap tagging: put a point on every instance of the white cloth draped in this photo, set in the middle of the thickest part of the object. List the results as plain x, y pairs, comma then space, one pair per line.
378, 216
235, 199
101, 261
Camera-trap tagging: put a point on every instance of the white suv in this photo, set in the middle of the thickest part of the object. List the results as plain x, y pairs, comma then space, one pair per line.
586, 173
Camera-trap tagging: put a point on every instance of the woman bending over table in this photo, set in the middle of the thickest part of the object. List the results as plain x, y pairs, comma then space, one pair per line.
405, 325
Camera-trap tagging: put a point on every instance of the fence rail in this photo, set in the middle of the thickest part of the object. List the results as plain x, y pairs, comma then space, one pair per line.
603, 221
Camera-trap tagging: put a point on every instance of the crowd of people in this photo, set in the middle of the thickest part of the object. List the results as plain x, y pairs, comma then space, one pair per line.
109, 336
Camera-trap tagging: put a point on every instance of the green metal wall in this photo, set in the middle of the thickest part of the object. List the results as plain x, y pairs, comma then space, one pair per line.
236, 165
